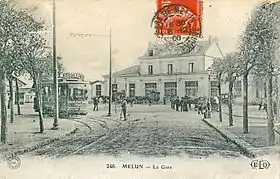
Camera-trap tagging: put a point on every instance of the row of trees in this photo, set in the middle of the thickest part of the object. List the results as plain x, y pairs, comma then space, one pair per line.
256, 56
23, 49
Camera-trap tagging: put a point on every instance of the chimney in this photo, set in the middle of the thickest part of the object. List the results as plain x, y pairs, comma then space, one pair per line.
150, 49
210, 39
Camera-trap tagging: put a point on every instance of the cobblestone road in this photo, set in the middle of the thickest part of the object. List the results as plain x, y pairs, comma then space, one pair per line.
149, 131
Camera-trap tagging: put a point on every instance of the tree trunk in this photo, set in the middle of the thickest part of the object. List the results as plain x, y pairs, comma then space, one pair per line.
245, 103
277, 99
270, 116
230, 96
17, 98
220, 100
11, 101
39, 102
3, 91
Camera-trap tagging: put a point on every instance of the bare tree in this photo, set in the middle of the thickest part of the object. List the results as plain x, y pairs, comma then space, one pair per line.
267, 66
37, 63
11, 29
250, 50
232, 72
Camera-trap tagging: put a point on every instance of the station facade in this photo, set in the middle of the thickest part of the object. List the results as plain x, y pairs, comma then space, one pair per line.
168, 73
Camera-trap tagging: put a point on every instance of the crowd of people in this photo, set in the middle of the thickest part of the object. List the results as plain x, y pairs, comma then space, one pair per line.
200, 104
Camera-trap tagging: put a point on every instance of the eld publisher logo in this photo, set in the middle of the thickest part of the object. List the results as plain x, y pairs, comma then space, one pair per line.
14, 162
260, 164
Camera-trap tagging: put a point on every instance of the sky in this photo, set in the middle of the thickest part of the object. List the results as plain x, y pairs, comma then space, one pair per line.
131, 31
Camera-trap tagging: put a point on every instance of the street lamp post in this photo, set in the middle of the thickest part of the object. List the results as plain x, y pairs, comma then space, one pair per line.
110, 76
55, 77
209, 93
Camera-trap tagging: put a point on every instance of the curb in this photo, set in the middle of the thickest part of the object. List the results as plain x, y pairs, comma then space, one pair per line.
44, 143
246, 149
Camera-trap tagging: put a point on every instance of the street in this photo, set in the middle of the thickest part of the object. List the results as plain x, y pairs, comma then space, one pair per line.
150, 131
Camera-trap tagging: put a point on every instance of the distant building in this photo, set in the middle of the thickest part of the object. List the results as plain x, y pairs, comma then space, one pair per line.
170, 74
97, 88
23, 89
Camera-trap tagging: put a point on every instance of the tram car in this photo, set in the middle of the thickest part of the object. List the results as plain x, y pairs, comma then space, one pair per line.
72, 95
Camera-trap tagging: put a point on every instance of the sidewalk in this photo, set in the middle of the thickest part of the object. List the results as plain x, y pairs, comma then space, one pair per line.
253, 111
256, 141
23, 133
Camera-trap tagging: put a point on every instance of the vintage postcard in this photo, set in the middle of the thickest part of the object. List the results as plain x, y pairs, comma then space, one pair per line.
139, 89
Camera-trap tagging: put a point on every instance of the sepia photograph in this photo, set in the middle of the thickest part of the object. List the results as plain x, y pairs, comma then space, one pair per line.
140, 89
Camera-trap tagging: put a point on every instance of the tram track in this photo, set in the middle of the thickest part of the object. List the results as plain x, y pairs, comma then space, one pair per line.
109, 134
69, 146
60, 144
102, 138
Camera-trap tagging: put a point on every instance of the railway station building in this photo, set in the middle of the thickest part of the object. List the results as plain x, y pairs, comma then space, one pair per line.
169, 74
178, 75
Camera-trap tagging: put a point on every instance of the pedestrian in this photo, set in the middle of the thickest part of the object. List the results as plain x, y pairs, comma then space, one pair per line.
199, 107
204, 111
177, 103
150, 101
260, 105
105, 102
95, 104
164, 100
172, 102
123, 105
182, 104
186, 104
265, 107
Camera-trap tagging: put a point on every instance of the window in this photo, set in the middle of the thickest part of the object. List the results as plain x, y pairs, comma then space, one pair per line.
169, 68
98, 90
131, 90
214, 88
114, 88
150, 87
170, 89
150, 69
237, 88
190, 67
77, 94
191, 88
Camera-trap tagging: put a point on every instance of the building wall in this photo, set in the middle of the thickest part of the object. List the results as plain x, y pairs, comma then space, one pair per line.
93, 91
180, 65
139, 81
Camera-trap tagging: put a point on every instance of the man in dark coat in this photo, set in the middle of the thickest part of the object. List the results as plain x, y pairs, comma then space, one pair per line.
164, 100
182, 104
124, 105
95, 104
177, 103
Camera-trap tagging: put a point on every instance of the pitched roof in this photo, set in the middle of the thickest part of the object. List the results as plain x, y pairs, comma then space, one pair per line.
133, 70
96, 81
162, 51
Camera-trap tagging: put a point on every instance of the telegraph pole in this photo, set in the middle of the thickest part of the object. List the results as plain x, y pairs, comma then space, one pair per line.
55, 80
110, 76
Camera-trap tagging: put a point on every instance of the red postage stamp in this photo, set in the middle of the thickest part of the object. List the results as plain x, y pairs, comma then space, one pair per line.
178, 18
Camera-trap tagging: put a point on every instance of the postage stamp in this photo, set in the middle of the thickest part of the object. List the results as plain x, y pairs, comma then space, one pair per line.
179, 23
178, 18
